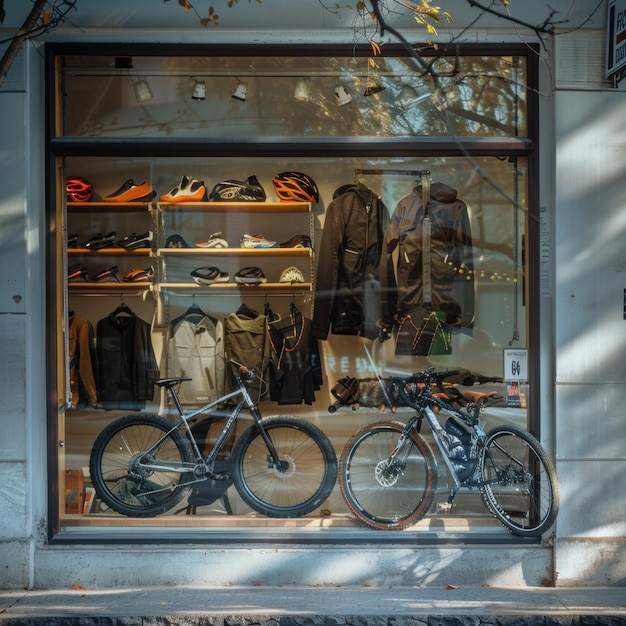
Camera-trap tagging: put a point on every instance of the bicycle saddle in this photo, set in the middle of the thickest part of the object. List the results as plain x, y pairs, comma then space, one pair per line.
169, 382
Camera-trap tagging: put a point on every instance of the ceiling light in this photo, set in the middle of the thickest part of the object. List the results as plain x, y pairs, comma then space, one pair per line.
342, 95
199, 90
301, 92
240, 92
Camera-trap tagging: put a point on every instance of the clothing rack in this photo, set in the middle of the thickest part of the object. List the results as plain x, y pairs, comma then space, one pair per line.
161, 318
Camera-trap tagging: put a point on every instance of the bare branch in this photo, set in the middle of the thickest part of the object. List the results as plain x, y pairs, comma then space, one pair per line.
547, 27
16, 44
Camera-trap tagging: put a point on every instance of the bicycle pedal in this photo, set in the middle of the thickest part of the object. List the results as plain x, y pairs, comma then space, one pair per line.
444, 507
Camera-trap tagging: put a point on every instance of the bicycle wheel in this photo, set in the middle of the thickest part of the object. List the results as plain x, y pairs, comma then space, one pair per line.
521, 487
120, 465
385, 493
305, 480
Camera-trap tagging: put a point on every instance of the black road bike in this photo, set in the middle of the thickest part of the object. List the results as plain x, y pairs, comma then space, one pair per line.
389, 472
143, 465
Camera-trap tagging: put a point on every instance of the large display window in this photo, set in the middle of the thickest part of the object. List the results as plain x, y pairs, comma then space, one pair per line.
265, 208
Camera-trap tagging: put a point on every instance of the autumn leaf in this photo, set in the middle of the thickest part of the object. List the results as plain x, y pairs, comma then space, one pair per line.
213, 18
375, 47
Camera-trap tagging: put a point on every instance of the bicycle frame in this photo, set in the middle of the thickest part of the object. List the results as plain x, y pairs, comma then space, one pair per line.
426, 411
187, 415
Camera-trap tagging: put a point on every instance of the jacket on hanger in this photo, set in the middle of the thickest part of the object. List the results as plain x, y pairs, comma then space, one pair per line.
82, 357
348, 299
245, 343
296, 371
195, 348
126, 363
452, 277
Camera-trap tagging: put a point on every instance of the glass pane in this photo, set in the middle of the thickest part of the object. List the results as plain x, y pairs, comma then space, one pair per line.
309, 97
489, 188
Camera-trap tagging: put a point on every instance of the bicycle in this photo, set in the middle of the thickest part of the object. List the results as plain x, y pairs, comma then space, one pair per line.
389, 471
142, 464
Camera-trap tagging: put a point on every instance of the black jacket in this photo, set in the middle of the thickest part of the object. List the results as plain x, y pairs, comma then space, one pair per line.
347, 288
126, 362
452, 277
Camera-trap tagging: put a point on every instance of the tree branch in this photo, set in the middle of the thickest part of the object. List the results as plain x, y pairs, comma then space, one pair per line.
547, 27
16, 44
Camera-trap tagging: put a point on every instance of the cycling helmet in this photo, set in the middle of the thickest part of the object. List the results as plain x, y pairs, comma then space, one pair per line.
238, 191
295, 187
78, 189
343, 189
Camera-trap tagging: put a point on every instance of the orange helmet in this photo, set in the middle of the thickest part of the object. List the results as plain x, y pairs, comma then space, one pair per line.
78, 189
295, 187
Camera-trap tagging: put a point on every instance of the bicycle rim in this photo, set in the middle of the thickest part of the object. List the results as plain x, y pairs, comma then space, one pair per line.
120, 466
522, 490
304, 481
385, 493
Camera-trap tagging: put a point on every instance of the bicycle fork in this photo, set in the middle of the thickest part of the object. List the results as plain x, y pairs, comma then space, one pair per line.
273, 462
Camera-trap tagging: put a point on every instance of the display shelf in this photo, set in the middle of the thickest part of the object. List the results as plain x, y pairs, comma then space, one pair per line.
113, 206
237, 207
107, 288
236, 252
230, 286
108, 252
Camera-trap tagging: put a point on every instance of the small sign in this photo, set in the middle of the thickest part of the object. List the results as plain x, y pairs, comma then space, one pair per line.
516, 377
616, 37
516, 365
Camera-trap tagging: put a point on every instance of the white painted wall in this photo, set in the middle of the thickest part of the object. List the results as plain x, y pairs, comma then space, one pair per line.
590, 324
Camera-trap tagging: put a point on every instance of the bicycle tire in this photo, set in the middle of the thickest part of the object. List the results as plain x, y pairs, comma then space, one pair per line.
305, 483
525, 498
381, 499
128, 489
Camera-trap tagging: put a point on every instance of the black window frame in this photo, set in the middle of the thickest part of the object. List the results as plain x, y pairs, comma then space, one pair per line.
56, 147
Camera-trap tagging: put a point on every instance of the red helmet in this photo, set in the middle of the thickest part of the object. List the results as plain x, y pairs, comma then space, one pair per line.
78, 189
295, 187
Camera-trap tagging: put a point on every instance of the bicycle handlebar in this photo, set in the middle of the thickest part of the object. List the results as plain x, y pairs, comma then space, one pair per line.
426, 376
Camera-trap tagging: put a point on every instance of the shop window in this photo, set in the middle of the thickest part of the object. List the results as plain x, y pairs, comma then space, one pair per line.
152, 140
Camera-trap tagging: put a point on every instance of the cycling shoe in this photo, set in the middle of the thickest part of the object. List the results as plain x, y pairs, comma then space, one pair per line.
187, 190
108, 275
100, 241
138, 275
130, 192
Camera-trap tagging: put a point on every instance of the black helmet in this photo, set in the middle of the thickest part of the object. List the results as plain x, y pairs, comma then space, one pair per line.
295, 187
238, 191
343, 189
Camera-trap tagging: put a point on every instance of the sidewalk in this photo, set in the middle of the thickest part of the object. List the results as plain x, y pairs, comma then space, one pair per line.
271, 606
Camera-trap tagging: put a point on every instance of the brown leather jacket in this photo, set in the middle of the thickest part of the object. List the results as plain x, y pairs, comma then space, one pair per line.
82, 362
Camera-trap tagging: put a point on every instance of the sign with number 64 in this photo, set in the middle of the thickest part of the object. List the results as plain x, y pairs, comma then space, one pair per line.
516, 365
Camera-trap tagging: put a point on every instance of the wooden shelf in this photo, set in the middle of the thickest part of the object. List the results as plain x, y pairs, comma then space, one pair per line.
236, 252
240, 286
237, 207
114, 206
88, 287
108, 252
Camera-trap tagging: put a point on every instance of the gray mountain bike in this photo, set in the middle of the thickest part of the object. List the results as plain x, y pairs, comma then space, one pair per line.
143, 465
389, 472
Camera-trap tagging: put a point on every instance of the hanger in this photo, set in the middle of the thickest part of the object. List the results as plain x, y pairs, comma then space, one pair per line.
194, 311
270, 316
123, 310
